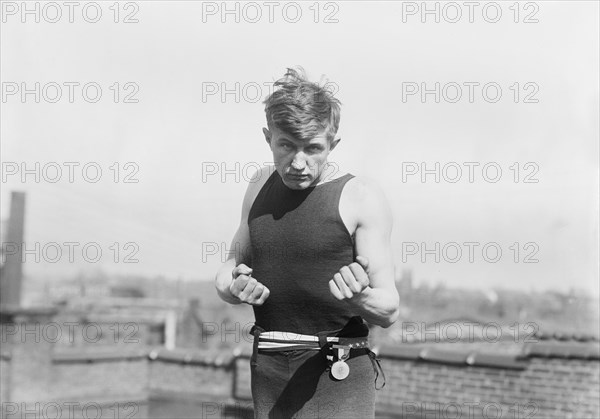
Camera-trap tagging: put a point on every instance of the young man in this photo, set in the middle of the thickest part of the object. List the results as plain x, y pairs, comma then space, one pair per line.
313, 258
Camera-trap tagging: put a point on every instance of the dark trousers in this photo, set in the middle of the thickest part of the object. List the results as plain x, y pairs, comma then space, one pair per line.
298, 384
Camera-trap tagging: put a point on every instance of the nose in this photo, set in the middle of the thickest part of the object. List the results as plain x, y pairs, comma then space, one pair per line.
299, 162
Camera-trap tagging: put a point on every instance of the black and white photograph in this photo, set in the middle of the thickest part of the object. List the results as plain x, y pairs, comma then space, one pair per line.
299, 209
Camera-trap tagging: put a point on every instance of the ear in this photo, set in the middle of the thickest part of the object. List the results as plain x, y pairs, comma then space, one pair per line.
267, 135
336, 140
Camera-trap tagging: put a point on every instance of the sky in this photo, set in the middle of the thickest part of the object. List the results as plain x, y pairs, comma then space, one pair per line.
171, 115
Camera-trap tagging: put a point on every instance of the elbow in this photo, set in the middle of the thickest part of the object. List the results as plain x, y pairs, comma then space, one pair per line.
389, 311
395, 315
218, 288
220, 285
394, 309
217, 282
391, 318
392, 315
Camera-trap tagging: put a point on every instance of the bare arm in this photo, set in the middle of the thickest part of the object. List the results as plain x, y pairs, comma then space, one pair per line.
233, 281
225, 275
368, 284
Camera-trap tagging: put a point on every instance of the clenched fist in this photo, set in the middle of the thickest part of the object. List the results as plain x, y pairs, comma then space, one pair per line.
246, 288
350, 280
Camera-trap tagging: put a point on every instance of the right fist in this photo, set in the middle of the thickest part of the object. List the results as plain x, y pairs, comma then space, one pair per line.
247, 289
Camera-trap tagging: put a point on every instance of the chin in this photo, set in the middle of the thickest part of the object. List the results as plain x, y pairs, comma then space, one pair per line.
297, 186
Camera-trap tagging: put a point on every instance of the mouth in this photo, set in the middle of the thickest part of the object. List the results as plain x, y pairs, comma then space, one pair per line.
297, 177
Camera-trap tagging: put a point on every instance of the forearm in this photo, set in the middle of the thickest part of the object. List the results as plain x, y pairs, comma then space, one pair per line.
377, 306
223, 281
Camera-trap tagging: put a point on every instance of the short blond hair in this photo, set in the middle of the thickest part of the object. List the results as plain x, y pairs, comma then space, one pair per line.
302, 108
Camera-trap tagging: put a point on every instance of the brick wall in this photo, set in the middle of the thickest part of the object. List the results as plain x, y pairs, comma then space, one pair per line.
26, 354
100, 378
419, 383
558, 384
190, 379
543, 380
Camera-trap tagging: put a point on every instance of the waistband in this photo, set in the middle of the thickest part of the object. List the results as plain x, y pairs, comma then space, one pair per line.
285, 341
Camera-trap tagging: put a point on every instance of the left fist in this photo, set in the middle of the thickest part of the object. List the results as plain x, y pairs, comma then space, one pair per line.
350, 280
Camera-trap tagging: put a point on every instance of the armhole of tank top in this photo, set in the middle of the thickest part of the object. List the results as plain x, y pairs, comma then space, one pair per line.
269, 180
337, 208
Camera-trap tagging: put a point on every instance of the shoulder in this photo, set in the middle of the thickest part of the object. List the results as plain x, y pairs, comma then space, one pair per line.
370, 202
362, 188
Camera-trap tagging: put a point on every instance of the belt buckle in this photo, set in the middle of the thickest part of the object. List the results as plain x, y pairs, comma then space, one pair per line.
340, 369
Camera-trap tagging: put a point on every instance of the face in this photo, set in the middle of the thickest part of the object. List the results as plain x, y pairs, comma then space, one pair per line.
299, 163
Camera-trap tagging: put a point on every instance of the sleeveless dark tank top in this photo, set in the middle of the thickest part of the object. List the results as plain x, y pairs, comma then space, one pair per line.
299, 242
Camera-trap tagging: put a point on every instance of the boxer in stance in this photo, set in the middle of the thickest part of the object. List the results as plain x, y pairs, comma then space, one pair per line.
312, 256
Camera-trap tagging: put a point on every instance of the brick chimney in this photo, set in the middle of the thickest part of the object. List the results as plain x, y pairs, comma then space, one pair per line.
11, 273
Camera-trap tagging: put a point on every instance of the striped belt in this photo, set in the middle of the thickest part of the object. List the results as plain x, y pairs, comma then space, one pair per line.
285, 341
341, 346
